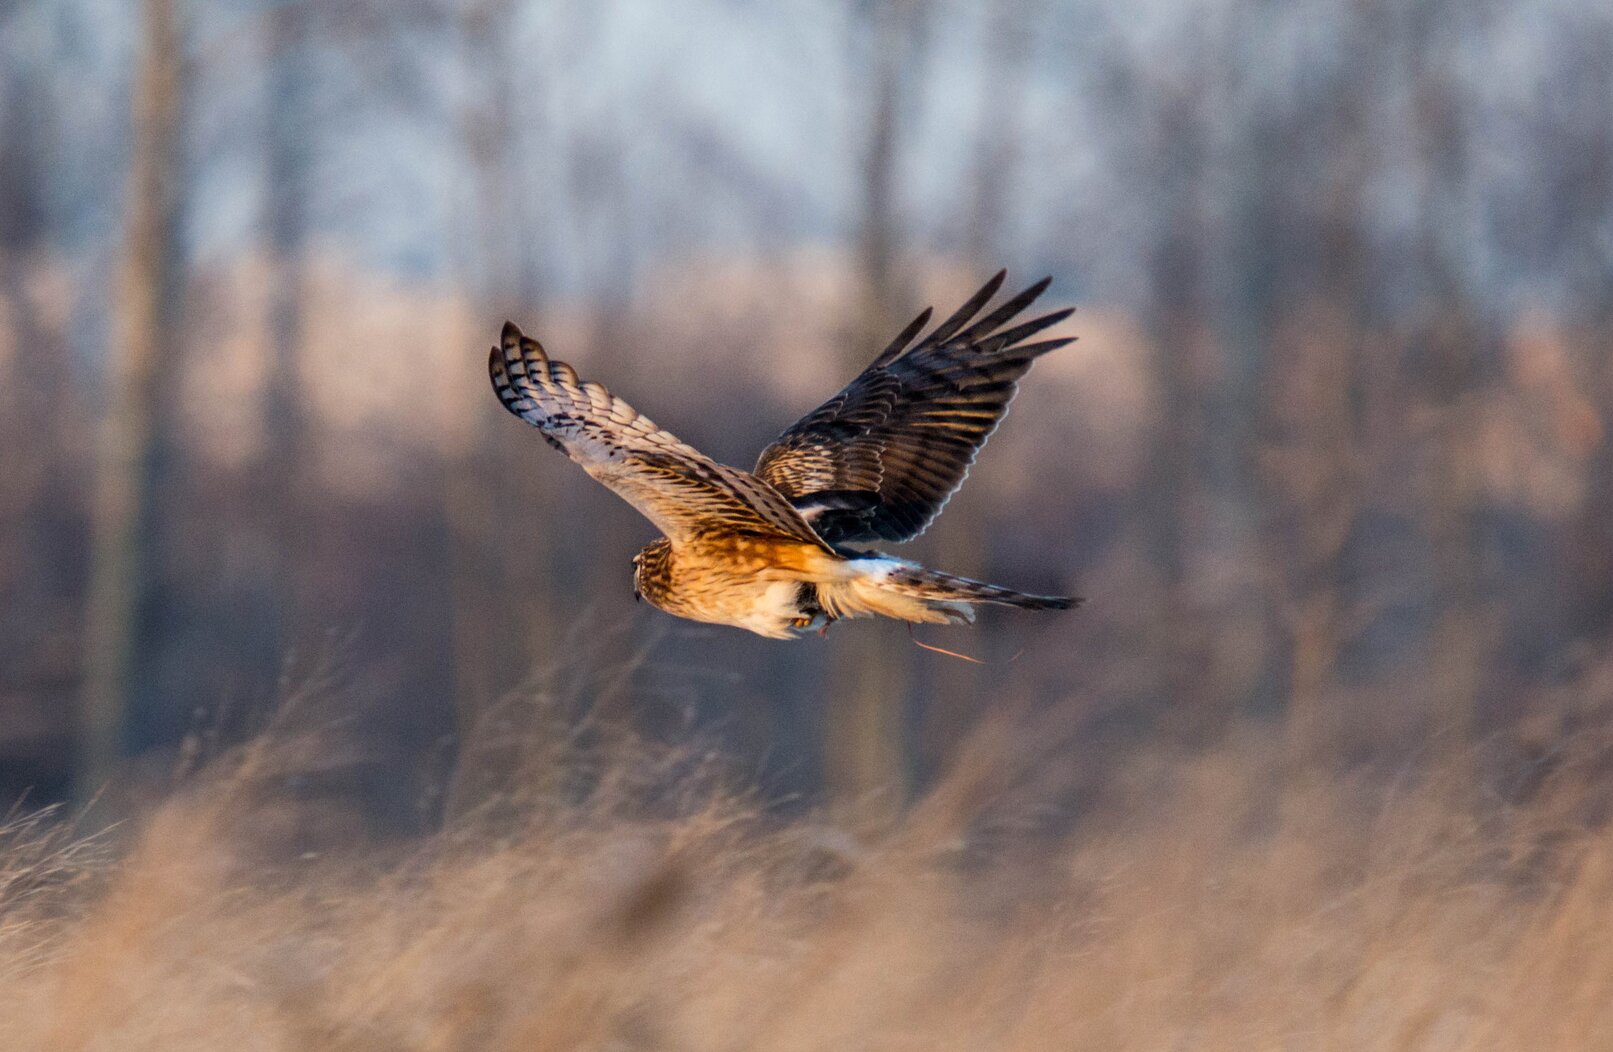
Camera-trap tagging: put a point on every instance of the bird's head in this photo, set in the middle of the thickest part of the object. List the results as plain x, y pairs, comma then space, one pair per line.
652, 570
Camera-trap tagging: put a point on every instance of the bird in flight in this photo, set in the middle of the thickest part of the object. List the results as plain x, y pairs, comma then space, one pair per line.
770, 550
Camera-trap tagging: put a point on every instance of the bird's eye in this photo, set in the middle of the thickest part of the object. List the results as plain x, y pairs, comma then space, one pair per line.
636, 596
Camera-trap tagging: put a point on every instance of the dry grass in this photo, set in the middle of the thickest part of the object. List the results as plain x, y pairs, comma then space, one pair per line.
612, 895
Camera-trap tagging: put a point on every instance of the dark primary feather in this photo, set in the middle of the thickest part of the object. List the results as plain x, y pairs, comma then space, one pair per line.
880, 459
674, 485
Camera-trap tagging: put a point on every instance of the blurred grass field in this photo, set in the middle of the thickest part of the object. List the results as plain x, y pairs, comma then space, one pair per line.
597, 890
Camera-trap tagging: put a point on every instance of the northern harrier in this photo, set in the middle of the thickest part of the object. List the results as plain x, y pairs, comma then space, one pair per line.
765, 550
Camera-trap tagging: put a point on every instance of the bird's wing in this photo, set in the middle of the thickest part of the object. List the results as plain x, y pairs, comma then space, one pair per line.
678, 488
880, 459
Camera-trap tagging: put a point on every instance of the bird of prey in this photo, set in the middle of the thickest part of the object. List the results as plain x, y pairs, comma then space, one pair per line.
771, 550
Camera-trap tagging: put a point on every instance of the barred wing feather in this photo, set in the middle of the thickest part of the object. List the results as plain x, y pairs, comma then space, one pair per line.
880, 459
678, 488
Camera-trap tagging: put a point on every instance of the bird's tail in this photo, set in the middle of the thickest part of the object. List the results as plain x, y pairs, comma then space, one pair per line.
909, 592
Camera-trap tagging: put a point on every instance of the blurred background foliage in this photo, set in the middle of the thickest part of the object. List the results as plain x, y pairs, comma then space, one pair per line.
1331, 455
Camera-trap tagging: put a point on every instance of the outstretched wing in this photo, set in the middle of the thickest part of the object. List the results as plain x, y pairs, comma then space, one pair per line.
674, 485
880, 459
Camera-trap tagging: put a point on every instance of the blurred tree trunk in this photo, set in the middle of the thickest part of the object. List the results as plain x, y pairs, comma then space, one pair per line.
36, 400
1306, 309
878, 254
997, 155
43, 416
1451, 341
492, 562
142, 367
1458, 649
961, 537
1179, 325
1583, 204
284, 533
865, 757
